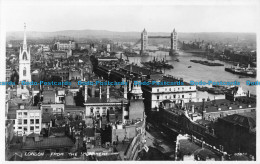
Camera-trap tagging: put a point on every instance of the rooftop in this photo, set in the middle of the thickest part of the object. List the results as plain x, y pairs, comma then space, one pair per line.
47, 143
219, 105
247, 119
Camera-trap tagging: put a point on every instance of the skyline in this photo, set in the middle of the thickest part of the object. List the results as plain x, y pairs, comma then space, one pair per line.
130, 18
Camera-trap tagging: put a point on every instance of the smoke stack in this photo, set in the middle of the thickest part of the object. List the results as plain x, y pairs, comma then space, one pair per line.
203, 108
93, 89
193, 108
100, 90
86, 93
130, 83
131, 68
107, 91
125, 88
182, 103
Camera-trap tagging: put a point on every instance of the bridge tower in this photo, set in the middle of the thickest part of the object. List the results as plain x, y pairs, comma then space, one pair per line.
144, 42
174, 41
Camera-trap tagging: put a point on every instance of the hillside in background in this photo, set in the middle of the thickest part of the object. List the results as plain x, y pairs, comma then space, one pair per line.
80, 35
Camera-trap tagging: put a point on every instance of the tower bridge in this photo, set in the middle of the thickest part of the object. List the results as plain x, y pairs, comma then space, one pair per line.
144, 41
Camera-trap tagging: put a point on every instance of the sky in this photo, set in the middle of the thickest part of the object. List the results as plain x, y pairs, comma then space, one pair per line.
194, 16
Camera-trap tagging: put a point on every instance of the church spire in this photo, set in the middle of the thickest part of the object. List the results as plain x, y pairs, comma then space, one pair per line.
24, 38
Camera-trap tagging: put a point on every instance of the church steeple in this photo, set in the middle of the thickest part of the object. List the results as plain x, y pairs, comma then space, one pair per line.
24, 60
24, 38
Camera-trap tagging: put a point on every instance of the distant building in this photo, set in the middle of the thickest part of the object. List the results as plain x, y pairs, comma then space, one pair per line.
64, 45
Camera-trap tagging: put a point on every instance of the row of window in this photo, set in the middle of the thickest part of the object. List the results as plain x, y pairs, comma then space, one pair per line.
170, 89
25, 129
170, 97
25, 121
25, 114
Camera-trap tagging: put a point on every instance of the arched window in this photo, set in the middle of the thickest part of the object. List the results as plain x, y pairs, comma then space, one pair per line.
24, 71
24, 56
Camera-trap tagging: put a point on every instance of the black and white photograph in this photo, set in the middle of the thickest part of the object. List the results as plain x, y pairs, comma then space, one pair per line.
86, 80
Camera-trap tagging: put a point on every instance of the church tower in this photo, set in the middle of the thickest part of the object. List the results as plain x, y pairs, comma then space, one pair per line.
144, 42
24, 61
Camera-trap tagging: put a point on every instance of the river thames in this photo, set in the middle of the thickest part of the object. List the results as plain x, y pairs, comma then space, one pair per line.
196, 72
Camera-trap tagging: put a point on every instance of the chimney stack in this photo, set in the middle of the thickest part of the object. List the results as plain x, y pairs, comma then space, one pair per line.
203, 108
182, 103
86, 93
193, 108
100, 92
107, 91
130, 83
125, 88
93, 90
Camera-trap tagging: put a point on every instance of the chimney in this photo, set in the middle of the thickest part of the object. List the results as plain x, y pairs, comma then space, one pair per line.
203, 108
125, 88
86, 93
93, 90
193, 108
131, 68
107, 91
182, 103
202, 144
130, 83
100, 90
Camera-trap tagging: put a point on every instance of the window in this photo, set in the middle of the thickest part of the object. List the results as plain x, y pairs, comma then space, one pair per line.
37, 114
37, 127
20, 121
37, 121
25, 129
182, 96
91, 109
31, 128
20, 127
170, 89
25, 121
19, 113
31, 114
165, 89
174, 96
165, 97
25, 114
31, 121
157, 90
24, 71
158, 97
